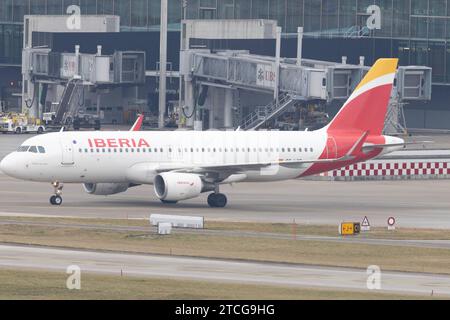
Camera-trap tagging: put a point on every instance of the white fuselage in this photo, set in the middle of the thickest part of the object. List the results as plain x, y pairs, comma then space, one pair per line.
133, 157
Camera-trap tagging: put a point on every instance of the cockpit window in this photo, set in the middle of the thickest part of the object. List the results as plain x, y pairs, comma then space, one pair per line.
33, 149
41, 149
23, 149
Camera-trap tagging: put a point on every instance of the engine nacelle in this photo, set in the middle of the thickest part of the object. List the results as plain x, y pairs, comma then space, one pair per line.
172, 186
105, 189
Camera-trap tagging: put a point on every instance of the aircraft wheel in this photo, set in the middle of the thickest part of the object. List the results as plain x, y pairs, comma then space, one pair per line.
56, 200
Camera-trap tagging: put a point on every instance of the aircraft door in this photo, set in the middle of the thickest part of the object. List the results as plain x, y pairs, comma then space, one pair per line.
68, 150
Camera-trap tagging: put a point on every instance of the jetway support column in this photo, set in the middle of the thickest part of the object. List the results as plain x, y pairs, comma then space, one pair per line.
277, 65
163, 64
34, 110
228, 109
299, 46
189, 102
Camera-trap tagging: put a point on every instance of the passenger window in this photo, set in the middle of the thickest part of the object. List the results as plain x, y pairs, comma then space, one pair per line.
41, 149
33, 149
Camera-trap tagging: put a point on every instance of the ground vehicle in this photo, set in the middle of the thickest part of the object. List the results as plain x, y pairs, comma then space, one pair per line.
81, 120
20, 123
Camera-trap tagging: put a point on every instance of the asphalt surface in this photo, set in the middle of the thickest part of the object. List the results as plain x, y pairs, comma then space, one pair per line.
219, 270
414, 204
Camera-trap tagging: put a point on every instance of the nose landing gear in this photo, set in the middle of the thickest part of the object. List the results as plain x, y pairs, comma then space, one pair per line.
56, 199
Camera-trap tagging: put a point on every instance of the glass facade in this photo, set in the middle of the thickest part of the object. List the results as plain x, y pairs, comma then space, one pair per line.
420, 28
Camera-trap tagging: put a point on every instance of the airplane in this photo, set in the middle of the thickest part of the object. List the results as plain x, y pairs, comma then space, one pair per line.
182, 165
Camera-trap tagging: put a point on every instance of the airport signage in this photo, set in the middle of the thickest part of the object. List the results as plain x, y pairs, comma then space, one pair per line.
391, 224
69, 66
178, 221
164, 228
365, 225
265, 75
350, 228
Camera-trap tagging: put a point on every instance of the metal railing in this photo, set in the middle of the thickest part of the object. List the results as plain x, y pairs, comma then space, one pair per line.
263, 114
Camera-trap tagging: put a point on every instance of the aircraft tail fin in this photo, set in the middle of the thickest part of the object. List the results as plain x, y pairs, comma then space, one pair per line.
366, 108
138, 124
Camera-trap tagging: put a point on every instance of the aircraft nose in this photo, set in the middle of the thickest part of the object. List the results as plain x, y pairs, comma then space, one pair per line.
7, 165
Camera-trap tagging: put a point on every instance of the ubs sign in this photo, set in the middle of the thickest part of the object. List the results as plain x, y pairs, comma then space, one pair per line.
265, 76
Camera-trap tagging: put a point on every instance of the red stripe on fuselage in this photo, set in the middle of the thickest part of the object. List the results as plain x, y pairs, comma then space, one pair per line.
344, 142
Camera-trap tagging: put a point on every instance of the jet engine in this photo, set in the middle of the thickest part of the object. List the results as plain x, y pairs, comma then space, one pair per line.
173, 187
105, 189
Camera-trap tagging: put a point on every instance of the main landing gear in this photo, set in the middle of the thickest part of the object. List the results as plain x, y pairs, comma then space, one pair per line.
217, 199
56, 199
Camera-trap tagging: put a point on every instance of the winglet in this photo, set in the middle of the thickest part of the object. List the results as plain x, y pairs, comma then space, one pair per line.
138, 124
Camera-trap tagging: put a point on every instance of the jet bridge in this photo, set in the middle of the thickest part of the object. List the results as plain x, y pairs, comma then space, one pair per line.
69, 80
238, 89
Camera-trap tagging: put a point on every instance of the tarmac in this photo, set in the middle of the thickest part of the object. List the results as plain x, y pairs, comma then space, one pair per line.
414, 204
224, 271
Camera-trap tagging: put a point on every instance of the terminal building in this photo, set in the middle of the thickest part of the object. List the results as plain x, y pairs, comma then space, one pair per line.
415, 31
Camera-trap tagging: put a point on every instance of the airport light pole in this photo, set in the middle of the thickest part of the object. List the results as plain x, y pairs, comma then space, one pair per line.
163, 64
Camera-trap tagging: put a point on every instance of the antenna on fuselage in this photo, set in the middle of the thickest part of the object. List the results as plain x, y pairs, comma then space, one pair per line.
62, 129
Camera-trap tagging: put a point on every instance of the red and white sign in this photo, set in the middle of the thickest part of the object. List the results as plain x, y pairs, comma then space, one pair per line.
391, 223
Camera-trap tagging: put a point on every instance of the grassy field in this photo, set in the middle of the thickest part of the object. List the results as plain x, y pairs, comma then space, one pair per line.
290, 229
31, 285
258, 249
